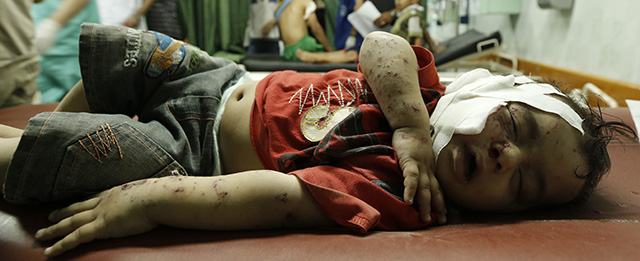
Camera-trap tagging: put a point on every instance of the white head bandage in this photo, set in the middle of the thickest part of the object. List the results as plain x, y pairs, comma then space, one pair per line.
473, 96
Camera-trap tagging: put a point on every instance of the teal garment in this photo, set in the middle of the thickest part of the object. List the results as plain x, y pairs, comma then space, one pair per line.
60, 69
59, 74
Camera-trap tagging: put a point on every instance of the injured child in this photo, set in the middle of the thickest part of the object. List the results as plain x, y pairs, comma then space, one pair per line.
212, 150
293, 17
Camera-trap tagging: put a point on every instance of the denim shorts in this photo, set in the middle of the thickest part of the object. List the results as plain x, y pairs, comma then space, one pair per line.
174, 89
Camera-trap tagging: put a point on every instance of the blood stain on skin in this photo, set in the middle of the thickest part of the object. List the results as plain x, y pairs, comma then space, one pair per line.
131, 185
282, 197
290, 217
215, 183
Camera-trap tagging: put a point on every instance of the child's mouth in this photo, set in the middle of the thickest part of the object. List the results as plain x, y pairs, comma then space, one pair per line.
471, 166
465, 164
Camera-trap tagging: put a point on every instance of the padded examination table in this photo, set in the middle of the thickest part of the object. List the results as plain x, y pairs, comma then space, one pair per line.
265, 62
470, 43
467, 45
606, 228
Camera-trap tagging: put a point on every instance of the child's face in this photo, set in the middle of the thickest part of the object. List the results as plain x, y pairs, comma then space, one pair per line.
513, 164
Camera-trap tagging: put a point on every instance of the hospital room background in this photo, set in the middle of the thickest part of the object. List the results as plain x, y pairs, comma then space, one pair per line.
590, 36
593, 45
584, 38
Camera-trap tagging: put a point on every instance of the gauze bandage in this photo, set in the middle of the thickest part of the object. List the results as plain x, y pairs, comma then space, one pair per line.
473, 96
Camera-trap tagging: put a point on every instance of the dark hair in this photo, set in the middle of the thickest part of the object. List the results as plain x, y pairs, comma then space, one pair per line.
597, 135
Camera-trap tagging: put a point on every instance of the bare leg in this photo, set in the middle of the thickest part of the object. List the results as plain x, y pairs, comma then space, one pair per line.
9, 139
327, 57
75, 100
9, 132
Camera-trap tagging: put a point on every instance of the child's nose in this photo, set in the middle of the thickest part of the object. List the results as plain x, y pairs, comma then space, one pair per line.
505, 157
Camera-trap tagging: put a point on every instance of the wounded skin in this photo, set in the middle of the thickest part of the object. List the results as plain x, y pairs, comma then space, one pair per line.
391, 69
246, 200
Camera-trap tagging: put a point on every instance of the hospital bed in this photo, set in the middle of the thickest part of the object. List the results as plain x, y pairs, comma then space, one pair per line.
605, 228
465, 47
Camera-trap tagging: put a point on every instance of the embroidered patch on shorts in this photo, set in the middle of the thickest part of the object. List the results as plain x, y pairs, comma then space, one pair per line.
196, 55
167, 56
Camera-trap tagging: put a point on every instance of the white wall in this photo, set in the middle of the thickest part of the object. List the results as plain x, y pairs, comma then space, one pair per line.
596, 36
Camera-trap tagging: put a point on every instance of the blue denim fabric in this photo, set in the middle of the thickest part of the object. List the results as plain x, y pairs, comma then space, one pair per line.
173, 88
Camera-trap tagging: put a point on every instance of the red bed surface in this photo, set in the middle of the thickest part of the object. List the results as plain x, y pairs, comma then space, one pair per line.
606, 228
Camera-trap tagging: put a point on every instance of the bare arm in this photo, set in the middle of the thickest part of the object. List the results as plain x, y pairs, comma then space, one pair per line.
67, 10
318, 31
391, 69
134, 20
247, 200
266, 29
47, 30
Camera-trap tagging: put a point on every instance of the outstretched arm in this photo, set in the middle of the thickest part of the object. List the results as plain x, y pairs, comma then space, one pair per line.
244, 201
391, 69
134, 20
48, 28
318, 32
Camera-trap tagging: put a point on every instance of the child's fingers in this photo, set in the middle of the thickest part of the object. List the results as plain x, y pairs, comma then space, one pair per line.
424, 198
437, 200
411, 177
73, 209
65, 226
83, 234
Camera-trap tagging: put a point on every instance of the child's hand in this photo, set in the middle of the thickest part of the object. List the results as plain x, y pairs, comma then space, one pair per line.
113, 213
413, 146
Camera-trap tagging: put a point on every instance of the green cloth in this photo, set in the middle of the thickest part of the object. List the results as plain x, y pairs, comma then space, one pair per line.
330, 16
307, 43
216, 27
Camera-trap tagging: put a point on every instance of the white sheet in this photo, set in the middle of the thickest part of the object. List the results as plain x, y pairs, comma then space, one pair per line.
362, 19
634, 108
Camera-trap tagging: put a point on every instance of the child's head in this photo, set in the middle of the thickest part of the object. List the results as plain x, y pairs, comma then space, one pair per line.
506, 143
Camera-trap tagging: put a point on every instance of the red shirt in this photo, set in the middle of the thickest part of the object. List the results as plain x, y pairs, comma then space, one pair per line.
329, 131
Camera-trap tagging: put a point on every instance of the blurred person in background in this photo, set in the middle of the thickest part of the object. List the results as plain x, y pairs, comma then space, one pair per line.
56, 39
18, 56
